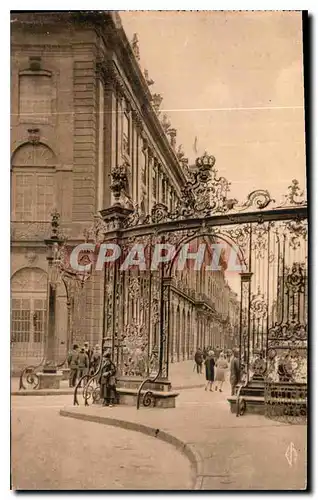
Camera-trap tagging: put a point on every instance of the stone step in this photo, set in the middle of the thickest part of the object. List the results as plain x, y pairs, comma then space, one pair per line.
134, 383
253, 404
253, 392
155, 398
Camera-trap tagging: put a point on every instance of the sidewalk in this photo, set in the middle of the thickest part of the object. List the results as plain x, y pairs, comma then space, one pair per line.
181, 376
229, 452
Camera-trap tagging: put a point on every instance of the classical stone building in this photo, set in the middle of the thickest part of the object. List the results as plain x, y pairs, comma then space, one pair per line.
81, 105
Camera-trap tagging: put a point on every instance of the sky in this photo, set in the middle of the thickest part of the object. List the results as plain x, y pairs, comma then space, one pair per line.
234, 80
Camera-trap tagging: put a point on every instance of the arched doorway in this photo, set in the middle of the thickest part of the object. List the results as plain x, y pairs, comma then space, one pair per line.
28, 316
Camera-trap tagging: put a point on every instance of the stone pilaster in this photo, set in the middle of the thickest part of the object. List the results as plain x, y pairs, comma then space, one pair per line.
84, 147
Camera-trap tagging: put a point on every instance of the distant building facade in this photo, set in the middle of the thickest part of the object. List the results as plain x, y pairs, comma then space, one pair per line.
81, 105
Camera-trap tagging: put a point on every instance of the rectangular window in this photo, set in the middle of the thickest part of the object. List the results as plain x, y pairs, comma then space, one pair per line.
170, 201
144, 169
22, 196
154, 184
35, 97
32, 196
163, 188
20, 320
126, 134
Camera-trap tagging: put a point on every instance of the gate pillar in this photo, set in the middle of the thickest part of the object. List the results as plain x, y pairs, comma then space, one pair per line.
245, 323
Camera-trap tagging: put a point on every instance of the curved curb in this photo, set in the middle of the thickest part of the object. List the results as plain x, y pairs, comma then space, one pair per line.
43, 392
187, 449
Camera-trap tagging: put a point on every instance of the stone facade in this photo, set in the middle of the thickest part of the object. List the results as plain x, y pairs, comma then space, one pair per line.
81, 106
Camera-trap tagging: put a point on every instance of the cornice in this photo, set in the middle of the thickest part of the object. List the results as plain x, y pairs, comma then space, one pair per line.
140, 88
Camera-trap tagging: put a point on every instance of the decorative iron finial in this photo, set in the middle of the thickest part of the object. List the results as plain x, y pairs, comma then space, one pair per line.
148, 80
205, 162
295, 194
135, 46
55, 224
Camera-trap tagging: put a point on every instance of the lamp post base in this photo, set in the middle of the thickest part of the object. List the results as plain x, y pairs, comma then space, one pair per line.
49, 380
49, 369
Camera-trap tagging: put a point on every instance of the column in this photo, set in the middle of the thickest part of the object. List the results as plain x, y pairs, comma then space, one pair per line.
159, 185
150, 178
100, 177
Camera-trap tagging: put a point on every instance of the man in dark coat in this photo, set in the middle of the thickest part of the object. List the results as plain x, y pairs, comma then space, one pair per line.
82, 363
108, 381
234, 371
72, 361
198, 358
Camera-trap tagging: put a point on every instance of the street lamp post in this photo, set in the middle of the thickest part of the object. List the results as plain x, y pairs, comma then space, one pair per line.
58, 270
50, 355
50, 378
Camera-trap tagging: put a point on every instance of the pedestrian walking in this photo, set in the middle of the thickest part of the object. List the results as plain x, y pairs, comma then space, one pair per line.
82, 364
72, 362
234, 371
108, 381
198, 358
209, 370
221, 366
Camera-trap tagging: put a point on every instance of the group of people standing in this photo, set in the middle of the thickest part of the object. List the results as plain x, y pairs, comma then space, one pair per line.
85, 361
216, 364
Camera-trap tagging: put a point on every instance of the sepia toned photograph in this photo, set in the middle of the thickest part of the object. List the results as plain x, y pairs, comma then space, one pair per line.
159, 251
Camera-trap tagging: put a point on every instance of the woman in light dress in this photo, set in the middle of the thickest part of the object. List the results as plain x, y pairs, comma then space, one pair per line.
221, 367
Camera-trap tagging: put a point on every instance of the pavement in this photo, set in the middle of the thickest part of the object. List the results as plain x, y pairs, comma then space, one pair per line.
228, 452
216, 450
182, 376
51, 453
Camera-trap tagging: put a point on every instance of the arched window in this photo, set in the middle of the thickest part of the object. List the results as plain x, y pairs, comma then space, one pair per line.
33, 183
